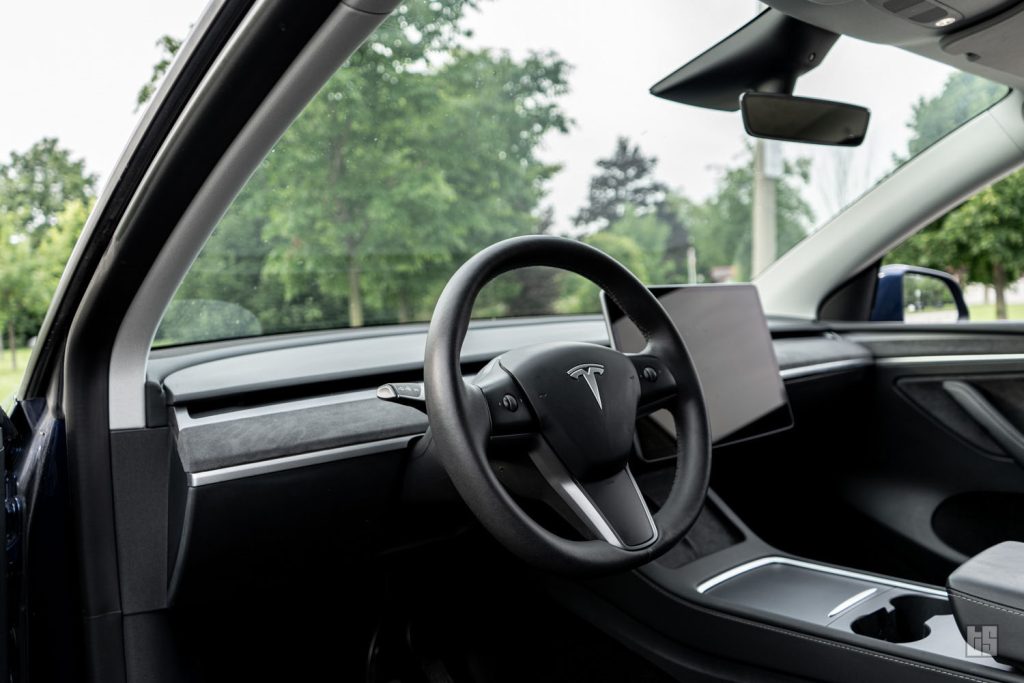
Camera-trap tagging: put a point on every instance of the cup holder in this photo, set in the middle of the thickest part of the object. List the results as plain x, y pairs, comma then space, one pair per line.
904, 621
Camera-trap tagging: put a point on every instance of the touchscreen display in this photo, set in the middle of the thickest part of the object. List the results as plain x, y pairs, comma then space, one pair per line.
725, 331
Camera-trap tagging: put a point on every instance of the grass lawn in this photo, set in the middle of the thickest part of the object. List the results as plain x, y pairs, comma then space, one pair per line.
986, 312
10, 378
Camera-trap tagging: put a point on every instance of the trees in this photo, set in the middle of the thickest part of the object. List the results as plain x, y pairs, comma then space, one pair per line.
987, 233
36, 185
720, 226
17, 292
632, 215
626, 179
374, 194
652, 237
963, 97
169, 46
981, 240
29, 273
44, 200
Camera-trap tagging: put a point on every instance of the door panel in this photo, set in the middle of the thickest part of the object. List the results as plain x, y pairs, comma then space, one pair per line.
933, 474
883, 470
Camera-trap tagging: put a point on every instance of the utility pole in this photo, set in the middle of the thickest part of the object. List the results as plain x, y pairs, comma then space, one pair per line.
767, 169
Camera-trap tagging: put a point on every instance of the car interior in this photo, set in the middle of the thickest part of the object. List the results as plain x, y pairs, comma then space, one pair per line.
832, 495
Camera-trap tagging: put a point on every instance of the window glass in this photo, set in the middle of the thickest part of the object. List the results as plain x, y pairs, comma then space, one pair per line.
981, 244
462, 123
928, 300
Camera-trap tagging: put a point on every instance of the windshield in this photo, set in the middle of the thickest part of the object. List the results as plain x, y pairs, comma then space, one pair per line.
462, 123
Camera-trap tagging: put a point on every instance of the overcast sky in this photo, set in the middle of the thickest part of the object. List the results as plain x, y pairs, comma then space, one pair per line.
620, 49
72, 70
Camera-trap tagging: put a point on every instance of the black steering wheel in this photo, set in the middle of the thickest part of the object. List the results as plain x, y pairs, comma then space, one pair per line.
574, 406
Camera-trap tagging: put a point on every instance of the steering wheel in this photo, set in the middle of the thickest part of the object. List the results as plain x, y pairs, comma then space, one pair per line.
574, 407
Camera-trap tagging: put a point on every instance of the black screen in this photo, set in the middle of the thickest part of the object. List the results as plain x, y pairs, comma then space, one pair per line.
725, 331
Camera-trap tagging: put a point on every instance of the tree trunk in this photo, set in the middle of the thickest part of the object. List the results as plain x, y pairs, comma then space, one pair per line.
10, 342
999, 284
355, 296
403, 308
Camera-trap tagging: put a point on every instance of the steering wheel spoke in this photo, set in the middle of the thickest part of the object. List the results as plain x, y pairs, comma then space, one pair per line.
507, 407
611, 509
657, 386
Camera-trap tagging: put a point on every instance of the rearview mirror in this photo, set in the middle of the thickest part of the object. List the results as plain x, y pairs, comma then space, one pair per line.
803, 119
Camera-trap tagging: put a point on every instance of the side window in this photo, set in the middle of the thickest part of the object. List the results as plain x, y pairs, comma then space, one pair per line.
966, 266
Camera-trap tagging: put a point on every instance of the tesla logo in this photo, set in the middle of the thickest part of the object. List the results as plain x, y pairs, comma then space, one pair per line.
589, 372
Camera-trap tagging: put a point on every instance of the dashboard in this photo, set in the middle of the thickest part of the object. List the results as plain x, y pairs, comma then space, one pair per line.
259, 400
281, 442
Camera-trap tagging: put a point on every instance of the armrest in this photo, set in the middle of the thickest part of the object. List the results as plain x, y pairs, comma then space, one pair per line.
987, 594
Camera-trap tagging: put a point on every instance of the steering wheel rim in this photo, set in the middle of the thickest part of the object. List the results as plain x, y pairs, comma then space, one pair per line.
464, 416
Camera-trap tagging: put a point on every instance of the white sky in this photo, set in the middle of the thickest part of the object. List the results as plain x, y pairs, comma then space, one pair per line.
620, 49
72, 70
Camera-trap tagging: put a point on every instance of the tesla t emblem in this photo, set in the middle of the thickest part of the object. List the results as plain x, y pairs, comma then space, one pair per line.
589, 372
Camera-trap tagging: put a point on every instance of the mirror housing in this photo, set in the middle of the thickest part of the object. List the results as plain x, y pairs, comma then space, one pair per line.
206, 320
778, 116
920, 291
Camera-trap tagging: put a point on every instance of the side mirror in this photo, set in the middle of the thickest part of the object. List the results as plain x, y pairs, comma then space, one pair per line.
918, 295
205, 320
803, 119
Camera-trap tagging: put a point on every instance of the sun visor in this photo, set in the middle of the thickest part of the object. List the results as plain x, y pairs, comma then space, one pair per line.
766, 55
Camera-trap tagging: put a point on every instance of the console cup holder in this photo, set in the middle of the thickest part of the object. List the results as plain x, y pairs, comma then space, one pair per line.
904, 621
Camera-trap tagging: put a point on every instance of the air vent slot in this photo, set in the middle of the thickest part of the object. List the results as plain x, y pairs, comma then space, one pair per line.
921, 12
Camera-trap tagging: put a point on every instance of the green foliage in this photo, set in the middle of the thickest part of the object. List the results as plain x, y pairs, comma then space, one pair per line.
582, 296
36, 185
985, 231
963, 97
626, 179
54, 250
982, 240
168, 46
45, 197
720, 228
207, 320
415, 155
29, 273
10, 378
17, 292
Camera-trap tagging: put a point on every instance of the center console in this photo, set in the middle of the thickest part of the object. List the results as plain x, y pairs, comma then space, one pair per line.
881, 608
726, 592
746, 602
